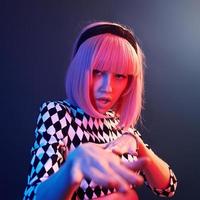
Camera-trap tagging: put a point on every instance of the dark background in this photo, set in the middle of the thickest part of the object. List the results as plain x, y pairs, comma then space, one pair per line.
36, 40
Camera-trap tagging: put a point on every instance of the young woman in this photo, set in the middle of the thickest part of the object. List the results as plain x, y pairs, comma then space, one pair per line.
86, 146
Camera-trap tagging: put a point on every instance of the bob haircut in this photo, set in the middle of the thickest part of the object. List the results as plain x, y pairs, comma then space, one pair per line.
107, 52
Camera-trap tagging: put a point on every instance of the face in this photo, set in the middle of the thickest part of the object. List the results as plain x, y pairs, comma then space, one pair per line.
106, 89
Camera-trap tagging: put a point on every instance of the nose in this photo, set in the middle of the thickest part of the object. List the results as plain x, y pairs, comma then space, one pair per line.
107, 83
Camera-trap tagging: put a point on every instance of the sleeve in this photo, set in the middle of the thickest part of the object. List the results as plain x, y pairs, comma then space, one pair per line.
50, 147
170, 189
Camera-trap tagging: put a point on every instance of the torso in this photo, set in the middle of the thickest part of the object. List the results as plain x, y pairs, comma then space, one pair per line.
100, 131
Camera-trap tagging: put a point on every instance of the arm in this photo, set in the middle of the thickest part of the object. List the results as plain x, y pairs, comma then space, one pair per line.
56, 174
157, 172
83, 162
58, 186
49, 149
158, 176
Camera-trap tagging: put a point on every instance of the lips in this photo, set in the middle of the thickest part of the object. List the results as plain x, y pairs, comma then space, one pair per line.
104, 100
103, 104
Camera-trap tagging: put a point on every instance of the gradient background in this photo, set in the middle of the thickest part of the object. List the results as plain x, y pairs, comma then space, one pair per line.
36, 40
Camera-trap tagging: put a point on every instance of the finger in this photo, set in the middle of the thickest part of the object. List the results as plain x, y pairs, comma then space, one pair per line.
133, 152
117, 151
102, 145
137, 165
121, 184
109, 179
77, 175
127, 174
120, 150
100, 178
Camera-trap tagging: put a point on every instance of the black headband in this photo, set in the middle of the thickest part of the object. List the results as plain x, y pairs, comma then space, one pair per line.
106, 28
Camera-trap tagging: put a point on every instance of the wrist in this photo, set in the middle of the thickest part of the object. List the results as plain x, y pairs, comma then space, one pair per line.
143, 150
73, 169
134, 137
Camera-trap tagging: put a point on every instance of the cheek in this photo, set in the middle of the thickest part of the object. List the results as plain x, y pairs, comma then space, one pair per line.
93, 88
120, 88
123, 86
96, 85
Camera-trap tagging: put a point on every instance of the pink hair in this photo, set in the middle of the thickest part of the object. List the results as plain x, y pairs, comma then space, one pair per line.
112, 53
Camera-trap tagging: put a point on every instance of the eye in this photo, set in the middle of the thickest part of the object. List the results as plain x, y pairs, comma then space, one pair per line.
97, 72
120, 76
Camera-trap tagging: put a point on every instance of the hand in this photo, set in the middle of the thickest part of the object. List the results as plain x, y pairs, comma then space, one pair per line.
142, 148
124, 144
103, 167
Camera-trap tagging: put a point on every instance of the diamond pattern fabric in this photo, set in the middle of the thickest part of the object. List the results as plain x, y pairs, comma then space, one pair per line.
62, 127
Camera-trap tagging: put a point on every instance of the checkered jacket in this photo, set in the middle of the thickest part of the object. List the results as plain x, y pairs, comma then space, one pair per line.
61, 127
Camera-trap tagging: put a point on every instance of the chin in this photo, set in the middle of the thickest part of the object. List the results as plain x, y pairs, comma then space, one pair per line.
102, 111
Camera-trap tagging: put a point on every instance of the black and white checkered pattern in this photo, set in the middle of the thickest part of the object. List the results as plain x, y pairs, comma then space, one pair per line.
61, 127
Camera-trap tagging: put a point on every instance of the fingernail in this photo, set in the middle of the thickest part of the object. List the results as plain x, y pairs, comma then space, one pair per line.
135, 154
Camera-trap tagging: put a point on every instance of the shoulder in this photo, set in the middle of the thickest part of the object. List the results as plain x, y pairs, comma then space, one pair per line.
53, 112
51, 108
54, 117
54, 105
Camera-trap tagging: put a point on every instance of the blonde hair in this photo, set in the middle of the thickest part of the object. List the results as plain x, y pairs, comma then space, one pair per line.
107, 52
